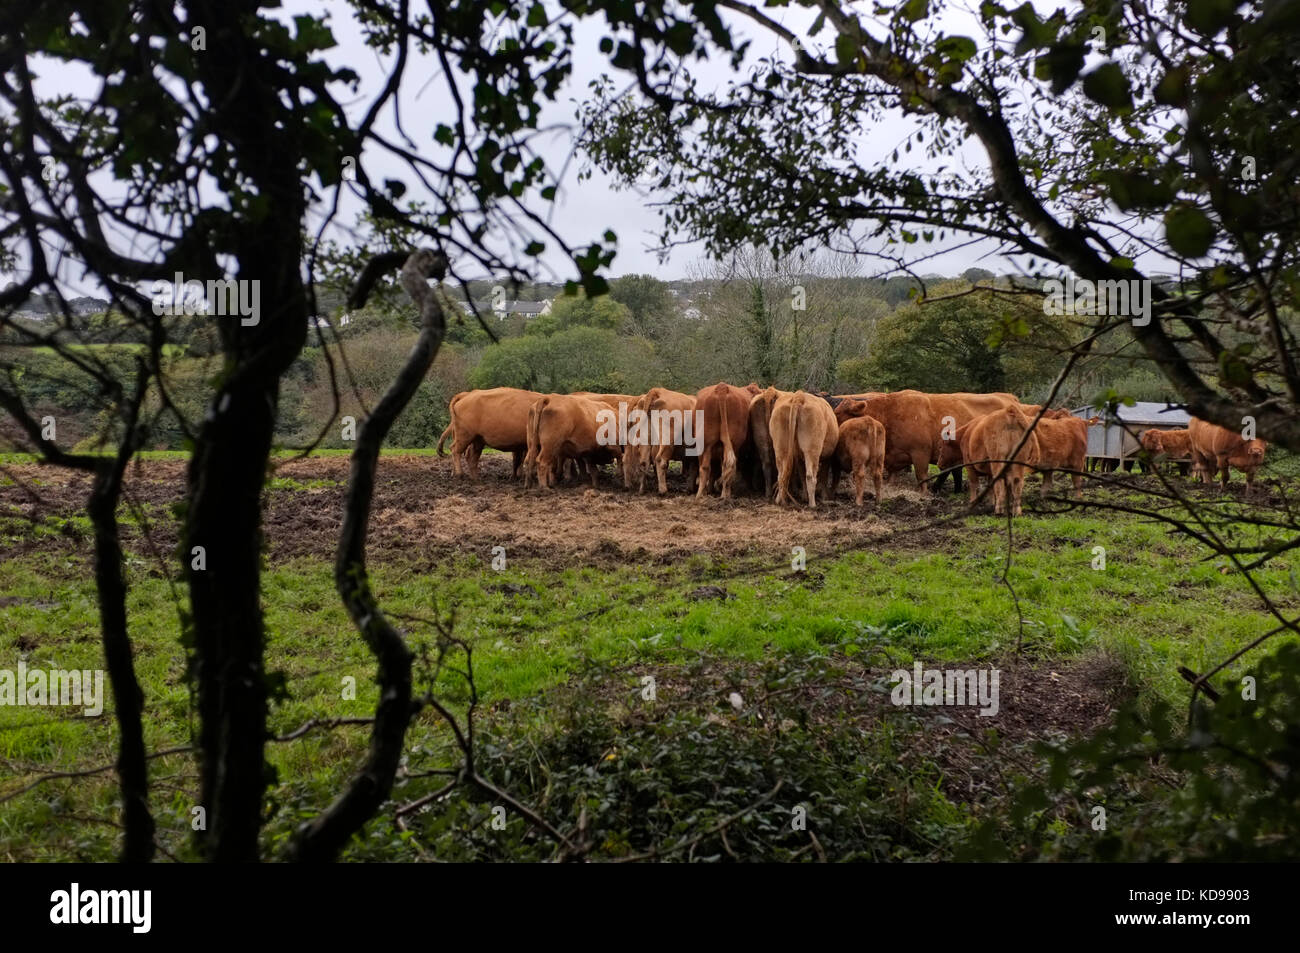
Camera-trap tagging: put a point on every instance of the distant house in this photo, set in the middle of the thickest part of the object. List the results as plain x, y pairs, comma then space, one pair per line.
529, 309
87, 305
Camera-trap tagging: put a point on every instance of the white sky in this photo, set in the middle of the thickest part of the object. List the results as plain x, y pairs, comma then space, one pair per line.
583, 210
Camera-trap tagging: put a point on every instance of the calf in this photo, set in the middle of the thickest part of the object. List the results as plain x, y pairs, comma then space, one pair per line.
860, 449
1175, 445
987, 445
911, 437
1062, 445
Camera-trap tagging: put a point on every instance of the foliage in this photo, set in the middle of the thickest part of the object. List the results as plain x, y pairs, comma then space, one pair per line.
979, 342
579, 311
581, 358
1225, 787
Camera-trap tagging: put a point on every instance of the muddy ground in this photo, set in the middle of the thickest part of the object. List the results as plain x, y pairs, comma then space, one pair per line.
422, 511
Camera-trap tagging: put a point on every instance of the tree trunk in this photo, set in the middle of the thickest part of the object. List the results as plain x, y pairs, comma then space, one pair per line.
323, 837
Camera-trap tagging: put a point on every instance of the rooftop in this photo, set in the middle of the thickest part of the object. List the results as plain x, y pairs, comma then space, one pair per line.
1145, 412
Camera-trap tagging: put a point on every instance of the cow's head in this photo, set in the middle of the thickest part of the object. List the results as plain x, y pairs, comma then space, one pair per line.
1151, 441
849, 408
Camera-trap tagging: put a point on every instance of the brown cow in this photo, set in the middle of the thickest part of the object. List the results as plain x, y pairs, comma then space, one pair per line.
911, 437
860, 449
952, 411
987, 444
1062, 445
1175, 445
760, 416
665, 439
1215, 448
496, 418
560, 426
726, 431
613, 402
804, 431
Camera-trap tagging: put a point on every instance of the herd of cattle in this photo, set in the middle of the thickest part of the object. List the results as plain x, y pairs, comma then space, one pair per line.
778, 438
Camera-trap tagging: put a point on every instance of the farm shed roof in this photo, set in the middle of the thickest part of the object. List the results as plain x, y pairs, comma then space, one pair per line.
1145, 414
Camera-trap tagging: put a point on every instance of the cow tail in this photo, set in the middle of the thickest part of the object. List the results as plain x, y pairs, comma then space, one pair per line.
792, 412
451, 426
728, 452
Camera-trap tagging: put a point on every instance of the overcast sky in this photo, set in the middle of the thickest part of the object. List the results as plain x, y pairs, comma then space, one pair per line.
583, 210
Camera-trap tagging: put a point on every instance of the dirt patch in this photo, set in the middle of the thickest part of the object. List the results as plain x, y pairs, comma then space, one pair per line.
422, 510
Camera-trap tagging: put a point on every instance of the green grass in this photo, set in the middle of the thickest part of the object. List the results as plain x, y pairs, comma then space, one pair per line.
1156, 605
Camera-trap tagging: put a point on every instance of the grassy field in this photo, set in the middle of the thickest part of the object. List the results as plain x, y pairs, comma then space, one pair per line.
596, 622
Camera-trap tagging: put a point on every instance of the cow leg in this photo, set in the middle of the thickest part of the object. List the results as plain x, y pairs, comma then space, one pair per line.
860, 482
472, 456
728, 471
783, 474
516, 458
661, 471
973, 479
705, 476
811, 458
1017, 488
921, 466
458, 456
1223, 474
1047, 483
878, 480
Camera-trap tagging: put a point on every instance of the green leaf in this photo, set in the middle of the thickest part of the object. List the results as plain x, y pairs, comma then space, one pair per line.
1132, 190
1060, 64
1208, 17
1172, 88
1108, 86
960, 48
914, 10
846, 49
1189, 231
